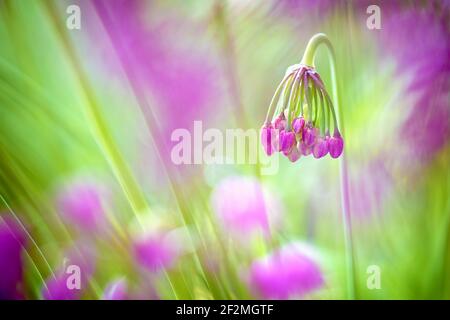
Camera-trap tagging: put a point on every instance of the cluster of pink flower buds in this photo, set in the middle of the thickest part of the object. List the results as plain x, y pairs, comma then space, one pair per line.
301, 123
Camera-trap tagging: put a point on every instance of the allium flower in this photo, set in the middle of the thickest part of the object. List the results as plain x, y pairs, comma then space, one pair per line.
80, 203
12, 240
286, 273
241, 206
302, 120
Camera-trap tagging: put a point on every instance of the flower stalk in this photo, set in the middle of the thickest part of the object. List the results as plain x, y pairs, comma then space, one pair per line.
301, 126
308, 59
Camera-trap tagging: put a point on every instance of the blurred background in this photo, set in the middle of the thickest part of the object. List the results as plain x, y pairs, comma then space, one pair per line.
93, 207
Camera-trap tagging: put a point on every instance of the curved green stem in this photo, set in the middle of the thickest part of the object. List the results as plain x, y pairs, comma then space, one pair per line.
311, 48
308, 59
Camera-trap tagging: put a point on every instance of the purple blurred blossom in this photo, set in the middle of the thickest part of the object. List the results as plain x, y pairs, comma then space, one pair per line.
80, 203
289, 272
56, 286
370, 187
243, 208
267, 136
181, 80
12, 241
295, 153
418, 40
155, 251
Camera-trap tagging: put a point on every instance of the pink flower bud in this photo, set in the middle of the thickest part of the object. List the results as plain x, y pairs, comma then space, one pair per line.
309, 135
287, 141
295, 153
280, 122
80, 203
320, 148
267, 138
336, 145
298, 125
12, 245
243, 209
304, 149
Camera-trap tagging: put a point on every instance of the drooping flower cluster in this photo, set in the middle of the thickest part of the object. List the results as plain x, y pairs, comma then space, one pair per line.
301, 123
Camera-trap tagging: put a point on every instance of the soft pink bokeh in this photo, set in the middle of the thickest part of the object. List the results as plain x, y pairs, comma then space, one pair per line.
289, 272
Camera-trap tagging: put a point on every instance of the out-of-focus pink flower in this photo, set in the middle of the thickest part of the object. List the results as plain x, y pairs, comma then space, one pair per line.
56, 288
267, 138
180, 79
295, 153
241, 206
116, 290
418, 40
78, 267
81, 203
12, 241
287, 141
155, 251
290, 272
370, 188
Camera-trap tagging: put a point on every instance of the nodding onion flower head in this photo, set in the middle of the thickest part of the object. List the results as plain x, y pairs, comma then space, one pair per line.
303, 119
